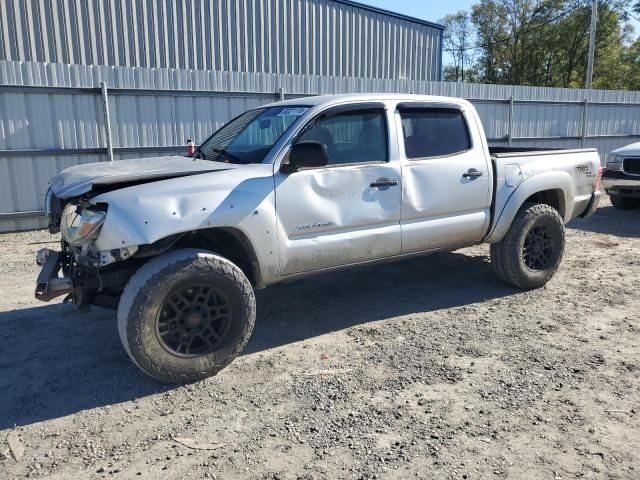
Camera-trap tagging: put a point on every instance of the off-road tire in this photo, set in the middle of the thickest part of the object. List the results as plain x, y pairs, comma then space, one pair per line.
145, 294
508, 258
624, 203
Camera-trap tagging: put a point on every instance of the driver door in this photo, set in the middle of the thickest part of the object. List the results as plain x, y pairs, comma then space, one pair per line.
348, 211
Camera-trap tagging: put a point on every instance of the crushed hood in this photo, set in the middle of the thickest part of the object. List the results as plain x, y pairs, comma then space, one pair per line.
74, 181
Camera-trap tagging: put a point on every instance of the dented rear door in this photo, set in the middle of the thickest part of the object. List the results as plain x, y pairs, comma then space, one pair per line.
447, 177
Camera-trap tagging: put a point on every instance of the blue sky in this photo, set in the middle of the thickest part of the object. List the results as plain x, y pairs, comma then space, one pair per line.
431, 10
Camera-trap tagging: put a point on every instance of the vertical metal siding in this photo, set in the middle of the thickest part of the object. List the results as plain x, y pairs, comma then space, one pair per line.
302, 37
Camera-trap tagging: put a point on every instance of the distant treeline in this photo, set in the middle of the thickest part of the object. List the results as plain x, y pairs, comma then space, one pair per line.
544, 43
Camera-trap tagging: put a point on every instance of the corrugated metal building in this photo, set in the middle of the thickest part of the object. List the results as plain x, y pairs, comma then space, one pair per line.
303, 37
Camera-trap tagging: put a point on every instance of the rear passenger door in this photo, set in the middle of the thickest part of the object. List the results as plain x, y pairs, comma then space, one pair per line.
446, 195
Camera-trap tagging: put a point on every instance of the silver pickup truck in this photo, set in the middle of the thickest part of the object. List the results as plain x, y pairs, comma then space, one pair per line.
295, 188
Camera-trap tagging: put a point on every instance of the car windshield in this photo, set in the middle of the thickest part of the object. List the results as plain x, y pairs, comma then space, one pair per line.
249, 137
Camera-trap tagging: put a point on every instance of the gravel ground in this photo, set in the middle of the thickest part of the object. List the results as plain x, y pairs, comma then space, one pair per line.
430, 368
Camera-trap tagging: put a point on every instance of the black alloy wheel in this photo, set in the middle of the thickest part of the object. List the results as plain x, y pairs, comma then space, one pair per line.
537, 250
530, 253
186, 314
193, 320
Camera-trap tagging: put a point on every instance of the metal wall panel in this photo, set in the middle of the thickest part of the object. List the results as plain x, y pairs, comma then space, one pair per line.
155, 108
308, 37
548, 120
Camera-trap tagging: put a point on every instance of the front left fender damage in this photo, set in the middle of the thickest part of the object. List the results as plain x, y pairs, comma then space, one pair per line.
146, 220
143, 214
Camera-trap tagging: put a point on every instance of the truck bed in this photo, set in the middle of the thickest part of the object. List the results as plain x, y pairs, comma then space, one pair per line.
515, 167
516, 151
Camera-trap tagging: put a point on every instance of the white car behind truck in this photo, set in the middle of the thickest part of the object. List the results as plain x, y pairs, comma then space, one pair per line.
295, 188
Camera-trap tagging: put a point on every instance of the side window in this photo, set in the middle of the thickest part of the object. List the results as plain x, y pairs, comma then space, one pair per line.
434, 132
355, 136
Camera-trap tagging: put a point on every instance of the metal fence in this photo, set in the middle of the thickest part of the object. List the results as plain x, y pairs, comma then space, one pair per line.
53, 116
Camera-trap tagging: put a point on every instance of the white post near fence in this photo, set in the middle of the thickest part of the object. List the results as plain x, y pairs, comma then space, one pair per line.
107, 121
585, 123
510, 126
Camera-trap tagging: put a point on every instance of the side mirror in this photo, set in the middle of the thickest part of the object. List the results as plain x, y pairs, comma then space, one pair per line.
306, 154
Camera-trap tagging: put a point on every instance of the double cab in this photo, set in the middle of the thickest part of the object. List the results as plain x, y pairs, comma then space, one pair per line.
178, 244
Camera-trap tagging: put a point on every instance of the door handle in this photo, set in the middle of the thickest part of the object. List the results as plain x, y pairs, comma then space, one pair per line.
471, 173
383, 183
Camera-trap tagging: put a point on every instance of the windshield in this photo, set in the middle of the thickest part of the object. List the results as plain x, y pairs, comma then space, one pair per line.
249, 137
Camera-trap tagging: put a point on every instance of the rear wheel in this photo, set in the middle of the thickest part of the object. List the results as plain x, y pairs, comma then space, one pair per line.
624, 203
531, 251
186, 315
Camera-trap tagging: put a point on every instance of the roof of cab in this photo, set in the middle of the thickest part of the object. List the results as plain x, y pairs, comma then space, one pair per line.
327, 100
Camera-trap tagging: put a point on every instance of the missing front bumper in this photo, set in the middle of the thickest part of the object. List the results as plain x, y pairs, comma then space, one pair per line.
49, 285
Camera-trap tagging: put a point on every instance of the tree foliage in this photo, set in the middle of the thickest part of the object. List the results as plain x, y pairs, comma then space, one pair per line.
457, 41
543, 43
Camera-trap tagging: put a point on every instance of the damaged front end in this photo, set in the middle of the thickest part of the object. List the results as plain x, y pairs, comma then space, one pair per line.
49, 285
79, 271
84, 273
68, 272
114, 216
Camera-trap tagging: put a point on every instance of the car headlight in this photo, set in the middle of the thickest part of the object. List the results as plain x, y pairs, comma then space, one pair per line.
614, 162
81, 223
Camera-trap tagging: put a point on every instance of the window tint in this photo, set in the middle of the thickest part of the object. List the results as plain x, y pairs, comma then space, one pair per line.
249, 137
434, 132
351, 137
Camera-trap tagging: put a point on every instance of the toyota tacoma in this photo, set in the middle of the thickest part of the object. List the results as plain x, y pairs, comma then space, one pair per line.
179, 244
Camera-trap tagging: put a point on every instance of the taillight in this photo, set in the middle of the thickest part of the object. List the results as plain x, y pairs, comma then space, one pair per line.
596, 187
191, 148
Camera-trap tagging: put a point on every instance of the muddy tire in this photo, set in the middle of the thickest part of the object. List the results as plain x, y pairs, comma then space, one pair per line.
186, 315
531, 251
624, 203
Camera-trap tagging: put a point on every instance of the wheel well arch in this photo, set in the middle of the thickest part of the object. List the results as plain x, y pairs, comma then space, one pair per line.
552, 197
228, 242
535, 190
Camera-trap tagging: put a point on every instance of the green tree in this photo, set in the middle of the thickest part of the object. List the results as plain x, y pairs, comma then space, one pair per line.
614, 61
546, 43
514, 36
458, 40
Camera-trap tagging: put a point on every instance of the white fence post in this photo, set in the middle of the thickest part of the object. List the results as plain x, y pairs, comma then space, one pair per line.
107, 121
510, 120
585, 122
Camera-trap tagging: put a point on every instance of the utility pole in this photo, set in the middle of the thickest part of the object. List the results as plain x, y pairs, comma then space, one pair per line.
592, 43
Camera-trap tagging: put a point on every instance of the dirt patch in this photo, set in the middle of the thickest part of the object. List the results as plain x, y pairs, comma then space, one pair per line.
429, 368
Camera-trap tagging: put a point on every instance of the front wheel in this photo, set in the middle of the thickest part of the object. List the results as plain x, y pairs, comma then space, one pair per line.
531, 251
186, 315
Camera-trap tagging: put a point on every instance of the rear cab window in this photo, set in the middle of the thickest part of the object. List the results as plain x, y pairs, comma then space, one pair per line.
433, 132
